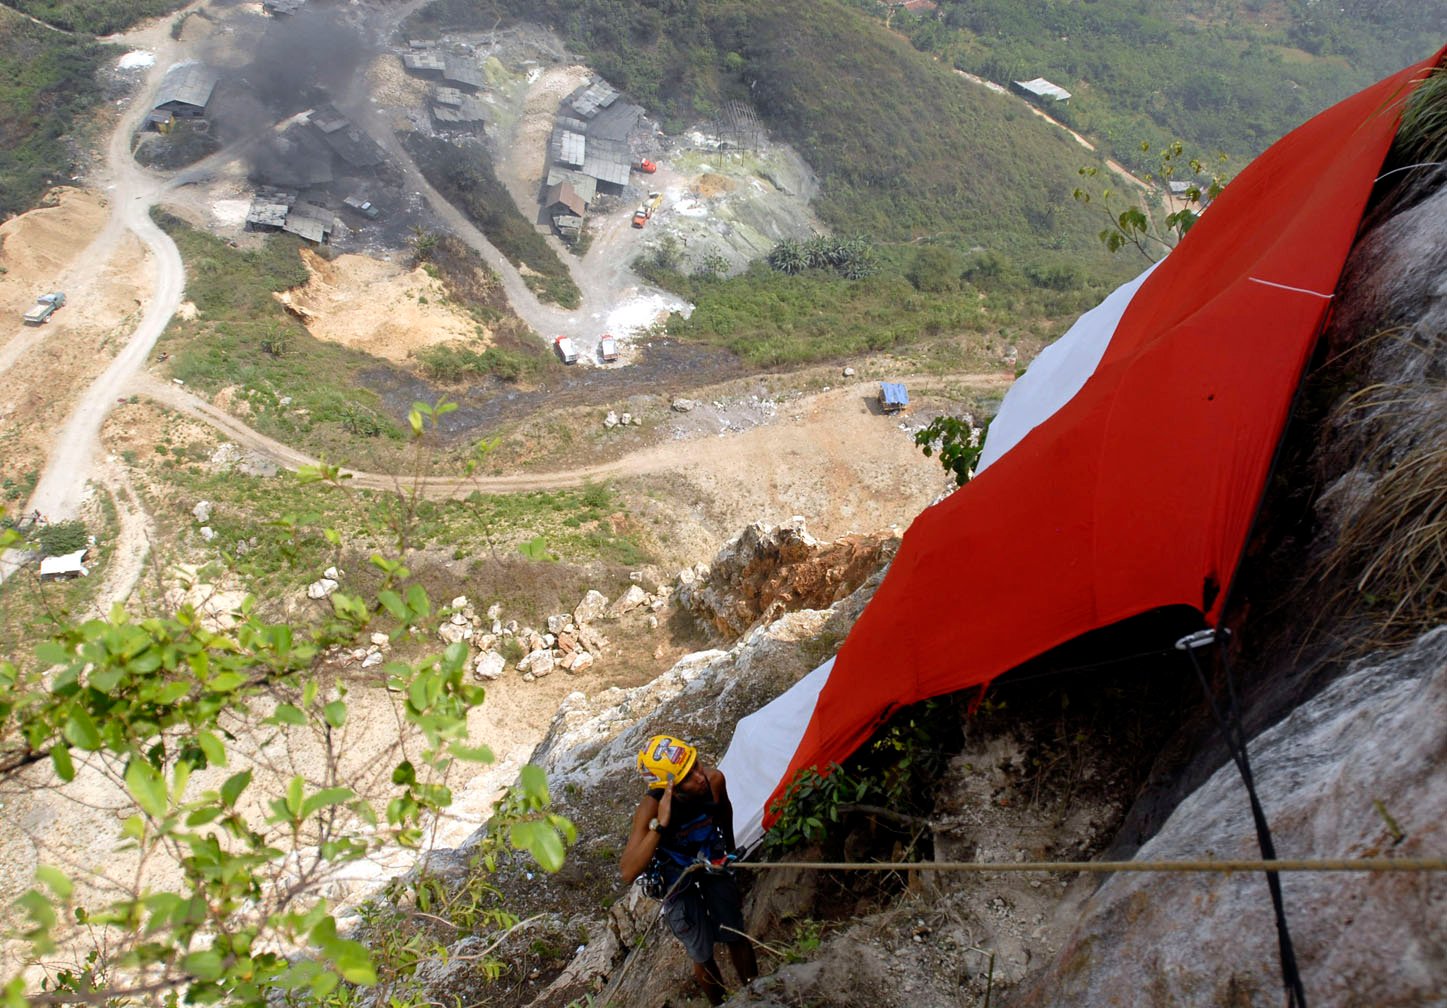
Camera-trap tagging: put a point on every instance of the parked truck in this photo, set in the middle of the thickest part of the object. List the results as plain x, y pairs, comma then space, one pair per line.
608, 348
45, 306
645, 211
567, 350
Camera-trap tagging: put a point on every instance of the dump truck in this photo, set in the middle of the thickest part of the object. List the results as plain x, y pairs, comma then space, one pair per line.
45, 306
645, 211
567, 350
608, 348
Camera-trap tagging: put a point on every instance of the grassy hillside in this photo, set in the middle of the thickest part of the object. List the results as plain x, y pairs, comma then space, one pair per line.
1229, 75
47, 81
94, 17
905, 147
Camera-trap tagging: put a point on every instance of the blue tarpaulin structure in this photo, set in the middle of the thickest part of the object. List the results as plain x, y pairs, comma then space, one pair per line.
893, 397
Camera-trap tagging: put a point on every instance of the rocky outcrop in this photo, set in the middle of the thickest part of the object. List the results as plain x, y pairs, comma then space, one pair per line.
768, 571
1355, 772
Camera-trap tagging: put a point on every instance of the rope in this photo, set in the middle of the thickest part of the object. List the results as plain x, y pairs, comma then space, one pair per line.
617, 981
1234, 733
1104, 867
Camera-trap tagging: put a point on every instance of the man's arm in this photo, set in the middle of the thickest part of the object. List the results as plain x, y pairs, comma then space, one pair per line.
642, 841
725, 808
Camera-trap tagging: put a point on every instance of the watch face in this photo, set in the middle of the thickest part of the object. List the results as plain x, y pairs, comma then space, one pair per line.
653, 825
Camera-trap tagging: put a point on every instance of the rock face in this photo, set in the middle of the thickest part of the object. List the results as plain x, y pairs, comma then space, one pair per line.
768, 571
1347, 745
1377, 734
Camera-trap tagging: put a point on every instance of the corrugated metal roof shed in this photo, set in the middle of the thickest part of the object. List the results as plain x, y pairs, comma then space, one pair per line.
327, 119
429, 61
893, 396
572, 149
605, 170
189, 84
65, 565
355, 147
1042, 88
569, 123
593, 97
266, 214
585, 186
310, 221
615, 123
563, 194
470, 109
463, 70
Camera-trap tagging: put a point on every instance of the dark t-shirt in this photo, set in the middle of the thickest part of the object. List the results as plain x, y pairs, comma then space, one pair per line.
693, 827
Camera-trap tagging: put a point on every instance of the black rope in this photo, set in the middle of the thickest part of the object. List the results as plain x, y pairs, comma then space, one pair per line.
1234, 733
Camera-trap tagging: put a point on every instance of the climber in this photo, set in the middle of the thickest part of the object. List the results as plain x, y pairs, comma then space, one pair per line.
686, 820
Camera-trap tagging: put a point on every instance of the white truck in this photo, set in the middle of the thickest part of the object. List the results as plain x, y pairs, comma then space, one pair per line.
567, 350
608, 348
45, 306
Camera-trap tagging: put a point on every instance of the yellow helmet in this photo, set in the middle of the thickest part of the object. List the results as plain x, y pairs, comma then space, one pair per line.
665, 758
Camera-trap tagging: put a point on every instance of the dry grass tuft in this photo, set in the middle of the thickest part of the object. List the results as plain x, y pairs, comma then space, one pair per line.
1393, 551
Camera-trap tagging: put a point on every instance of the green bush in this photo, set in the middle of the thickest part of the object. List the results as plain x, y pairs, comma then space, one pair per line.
63, 537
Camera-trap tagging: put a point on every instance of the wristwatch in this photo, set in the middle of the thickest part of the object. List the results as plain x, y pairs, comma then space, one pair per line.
653, 826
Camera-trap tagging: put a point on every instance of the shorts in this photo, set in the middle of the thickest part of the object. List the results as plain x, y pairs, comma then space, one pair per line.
704, 912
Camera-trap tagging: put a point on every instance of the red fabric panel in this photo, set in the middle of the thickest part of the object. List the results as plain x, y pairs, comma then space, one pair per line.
1144, 486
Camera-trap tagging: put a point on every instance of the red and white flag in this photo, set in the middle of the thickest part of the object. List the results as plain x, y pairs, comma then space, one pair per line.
1125, 468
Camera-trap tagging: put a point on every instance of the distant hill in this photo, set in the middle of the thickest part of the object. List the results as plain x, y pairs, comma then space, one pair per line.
905, 147
1227, 75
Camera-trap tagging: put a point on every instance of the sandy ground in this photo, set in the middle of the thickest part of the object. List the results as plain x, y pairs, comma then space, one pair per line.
44, 369
374, 306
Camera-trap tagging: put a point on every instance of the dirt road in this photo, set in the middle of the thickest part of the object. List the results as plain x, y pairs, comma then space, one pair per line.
828, 430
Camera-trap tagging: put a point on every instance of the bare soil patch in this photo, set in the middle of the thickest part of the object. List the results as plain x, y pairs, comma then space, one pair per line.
376, 306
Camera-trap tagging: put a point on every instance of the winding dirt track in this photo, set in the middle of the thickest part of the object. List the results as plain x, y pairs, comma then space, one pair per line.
827, 410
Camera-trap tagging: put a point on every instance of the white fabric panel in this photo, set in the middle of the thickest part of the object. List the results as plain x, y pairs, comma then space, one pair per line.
1060, 371
763, 746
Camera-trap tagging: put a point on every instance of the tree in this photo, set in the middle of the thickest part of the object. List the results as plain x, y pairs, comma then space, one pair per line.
228, 858
1136, 224
958, 441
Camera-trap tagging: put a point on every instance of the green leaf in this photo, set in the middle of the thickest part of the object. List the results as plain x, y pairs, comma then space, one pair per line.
295, 790
206, 965
324, 798
417, 600
80, 730
356, 968
288, 714
64, 768
392, 602
52, 653
534, 782
335, 713
235, 784
212, 747
56, 879
478, 754
547, 849
226, 682
202, 816
37, 905
146, 787
404, 774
